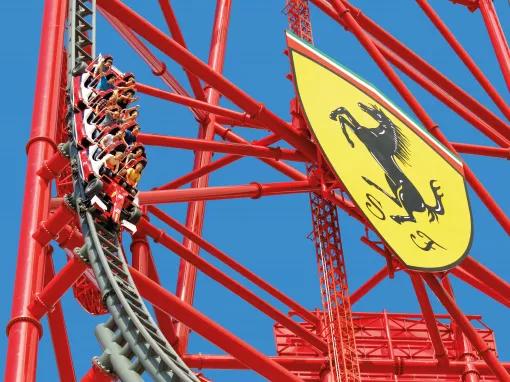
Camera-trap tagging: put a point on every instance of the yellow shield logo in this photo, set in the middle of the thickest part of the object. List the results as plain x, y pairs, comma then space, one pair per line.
408, 185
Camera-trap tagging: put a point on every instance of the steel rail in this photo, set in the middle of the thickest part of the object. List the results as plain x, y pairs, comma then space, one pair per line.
132, 340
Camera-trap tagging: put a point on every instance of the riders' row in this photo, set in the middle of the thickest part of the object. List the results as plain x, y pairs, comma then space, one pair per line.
109, 126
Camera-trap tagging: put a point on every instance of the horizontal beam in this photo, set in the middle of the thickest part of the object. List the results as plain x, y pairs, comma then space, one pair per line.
316, 364
210, 330
497, 152
192, 102
253, 190
220, 147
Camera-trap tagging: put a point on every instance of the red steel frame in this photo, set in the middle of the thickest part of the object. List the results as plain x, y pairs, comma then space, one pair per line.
38, 288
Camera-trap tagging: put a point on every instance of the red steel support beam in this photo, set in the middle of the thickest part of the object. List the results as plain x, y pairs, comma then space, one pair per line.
227, 159
222, 120
193, 103
58, 331
210, 330
220, 147
465, 57
481, 347
497, 36
430, 320
44, 301
419, 64
261, 283
225, 362
430, 125
253, 190
186, 279
483, 287
160, 236
486, 276
173, 26
369, 285
455, 105
316, 364
22, 329
482, 150
182, 56
463, 348
144, 263
157, 66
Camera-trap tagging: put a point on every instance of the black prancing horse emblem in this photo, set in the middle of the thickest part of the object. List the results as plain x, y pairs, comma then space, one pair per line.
385, 143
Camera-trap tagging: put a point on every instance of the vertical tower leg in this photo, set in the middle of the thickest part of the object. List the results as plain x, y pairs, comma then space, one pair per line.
195, 215
23, 330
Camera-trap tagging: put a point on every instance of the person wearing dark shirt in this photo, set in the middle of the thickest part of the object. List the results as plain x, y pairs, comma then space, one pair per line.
130, 135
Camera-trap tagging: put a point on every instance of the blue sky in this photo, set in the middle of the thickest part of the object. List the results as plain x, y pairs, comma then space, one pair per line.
269, 235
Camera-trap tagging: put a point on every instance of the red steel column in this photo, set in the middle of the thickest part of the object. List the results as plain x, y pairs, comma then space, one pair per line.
144, 263
195, 216
497, 36
23, 330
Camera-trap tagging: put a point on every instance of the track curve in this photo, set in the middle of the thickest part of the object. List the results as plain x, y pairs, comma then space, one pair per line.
132, 341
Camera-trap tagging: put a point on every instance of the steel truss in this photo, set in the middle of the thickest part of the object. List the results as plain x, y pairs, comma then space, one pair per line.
329, 345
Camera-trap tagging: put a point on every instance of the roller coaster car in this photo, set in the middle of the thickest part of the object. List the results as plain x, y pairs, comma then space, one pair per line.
111, 201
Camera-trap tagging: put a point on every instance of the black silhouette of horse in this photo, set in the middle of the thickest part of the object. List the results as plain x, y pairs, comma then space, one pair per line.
386, 142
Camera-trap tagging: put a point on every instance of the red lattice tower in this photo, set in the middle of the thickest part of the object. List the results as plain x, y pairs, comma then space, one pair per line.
336, 320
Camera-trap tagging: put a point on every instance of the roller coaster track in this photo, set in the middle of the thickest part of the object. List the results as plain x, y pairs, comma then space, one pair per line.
132, 342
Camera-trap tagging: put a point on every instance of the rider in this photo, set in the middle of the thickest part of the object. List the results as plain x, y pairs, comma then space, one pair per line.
131, 134
111, 162
133, 174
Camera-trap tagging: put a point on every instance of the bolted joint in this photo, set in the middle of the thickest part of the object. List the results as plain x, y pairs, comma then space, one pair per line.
38, 307
258, 191
52, 167
82, 253
69, 238
28, 319
64, 148
161, 70
48, 229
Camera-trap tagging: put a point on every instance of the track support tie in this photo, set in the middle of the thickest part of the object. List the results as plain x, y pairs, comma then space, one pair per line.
52, 167
50, 228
